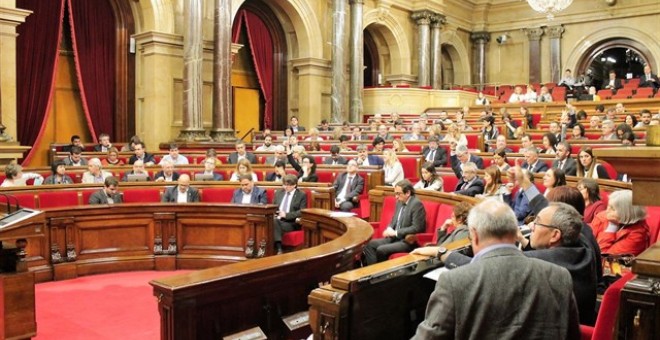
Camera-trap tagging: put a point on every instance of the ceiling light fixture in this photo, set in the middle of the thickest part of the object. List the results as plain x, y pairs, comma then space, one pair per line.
549, 6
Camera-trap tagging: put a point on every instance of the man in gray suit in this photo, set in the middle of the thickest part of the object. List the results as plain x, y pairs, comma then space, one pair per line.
410, 218
109, 194
290, 201
240, 152
182, 192
248, 193
348, 186
564, 160
502, 294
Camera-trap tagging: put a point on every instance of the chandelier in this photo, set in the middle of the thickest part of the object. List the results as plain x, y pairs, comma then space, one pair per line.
549, 6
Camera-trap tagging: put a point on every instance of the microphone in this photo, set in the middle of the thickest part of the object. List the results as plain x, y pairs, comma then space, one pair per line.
7, 197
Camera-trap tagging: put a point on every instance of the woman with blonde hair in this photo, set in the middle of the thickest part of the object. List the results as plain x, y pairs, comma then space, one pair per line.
14, 176
313, 135
392, 167
454, 134
112, 159
399, 146
243, 167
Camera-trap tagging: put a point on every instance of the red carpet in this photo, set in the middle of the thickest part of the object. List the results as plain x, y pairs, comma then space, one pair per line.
108, 306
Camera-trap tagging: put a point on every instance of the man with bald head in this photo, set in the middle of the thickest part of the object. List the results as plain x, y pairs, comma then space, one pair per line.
501, 294
182, 192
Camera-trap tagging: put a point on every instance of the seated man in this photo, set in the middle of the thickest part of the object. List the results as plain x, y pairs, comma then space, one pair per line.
167, 174
563, 159
104, 144
75, 141
409, 218
645, 120
519, 203
343, 144
357, 134
532, 161
415, 134
109, 194
335, 158
209, 169
470, 184
508, 286
348, 186
142, 155
612, 83
435, 154
248, 193
293, 124
500, 143
95, 172
290, 201
609, 132
138, 169
75, 157
365, 159
182, 192
241, 153
462, 157
267, 146
278, 175
649, 79
174, 157
279, 154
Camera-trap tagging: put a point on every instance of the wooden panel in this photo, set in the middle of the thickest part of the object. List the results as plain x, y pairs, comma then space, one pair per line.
219, 234
17, 291
98, 239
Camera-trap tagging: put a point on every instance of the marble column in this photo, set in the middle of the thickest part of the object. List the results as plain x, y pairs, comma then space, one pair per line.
480, 39
357, 60
436, 50
554, 33
423, 19
222, 129
534, 37
193, 128
338, 99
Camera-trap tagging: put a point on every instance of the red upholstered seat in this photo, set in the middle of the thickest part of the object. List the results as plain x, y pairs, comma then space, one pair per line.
386, 214
23, 200
472, 141
86, 194
326, 176
610, 169
410, 165
449, 183
643, 92
653, 221
295, 239
217, 195
608, 312
604, 94
56, 199
141, 195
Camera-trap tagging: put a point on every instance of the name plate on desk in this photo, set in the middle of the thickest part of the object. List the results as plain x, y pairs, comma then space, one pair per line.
17, 216
298, 320
250, 334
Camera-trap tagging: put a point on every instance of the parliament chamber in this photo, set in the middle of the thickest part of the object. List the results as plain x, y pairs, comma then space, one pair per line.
312, 85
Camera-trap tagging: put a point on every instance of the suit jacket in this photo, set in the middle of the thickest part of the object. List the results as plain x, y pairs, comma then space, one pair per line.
540, 166
440, 157
570, 168
99, 197
312, 176
258, 196
353, 191
99, 147
473, 189
410, 136
375, 160
216, 176
300, 128
147, 158
171, 194
413, 220
69, 162
270, 160
175, 175
233, 158
272, 177
298, 202
649, 82
617, 84
504, 312
340, 160
456, 164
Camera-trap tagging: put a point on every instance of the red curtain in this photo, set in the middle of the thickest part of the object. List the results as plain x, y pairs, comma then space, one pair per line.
36, 59
261, 45
93, 37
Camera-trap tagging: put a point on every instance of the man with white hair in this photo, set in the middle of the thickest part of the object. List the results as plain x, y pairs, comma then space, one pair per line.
138, 169
609, 133
95, 173
167, 174
470, 184
348, 186
416, 133
462, 157
279, 154
383, 133
532, 161
502, 311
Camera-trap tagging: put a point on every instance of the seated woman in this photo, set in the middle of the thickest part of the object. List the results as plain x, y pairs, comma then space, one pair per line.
313, 135
454, 134
500, 160
392, 167
489, 130
588, 167
430, 180
549, 142
112, 159
306, 171
58, 175
458, 221
622, 228
15, 176
399, 146
243, 167
493, 184
553, 178
578, 132
591, 193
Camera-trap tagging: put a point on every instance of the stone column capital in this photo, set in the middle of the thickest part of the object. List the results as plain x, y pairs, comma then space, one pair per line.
422, 17
438, 20
555, 32
534, 34
480, 37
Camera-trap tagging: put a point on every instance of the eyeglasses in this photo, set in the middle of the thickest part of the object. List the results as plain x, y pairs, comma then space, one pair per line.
536, 222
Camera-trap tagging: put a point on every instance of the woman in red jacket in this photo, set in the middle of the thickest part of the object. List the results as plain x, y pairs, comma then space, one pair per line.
621, 228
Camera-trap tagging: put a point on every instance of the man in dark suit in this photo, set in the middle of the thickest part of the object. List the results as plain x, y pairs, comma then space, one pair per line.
294, 125
462, 157
357, 134
75, 141
104, 143
75, 157
435, 154
279, 154
470, 184
495, 278
649, 79
365, 159
248, 193
167, 174
142, 155
290, 201
182, 192
409, 218
532, 161
109, 194
278, 174
209, 169
348, 186
564, 160
241, 153
612, 83
335, 158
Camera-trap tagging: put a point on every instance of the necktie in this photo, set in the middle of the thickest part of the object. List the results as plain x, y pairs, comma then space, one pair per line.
285, 205
464, 186
431, 156
398, 219
560, 165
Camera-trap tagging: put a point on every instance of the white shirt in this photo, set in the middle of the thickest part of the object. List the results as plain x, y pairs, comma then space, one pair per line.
181, 197
181, 160
247, 197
